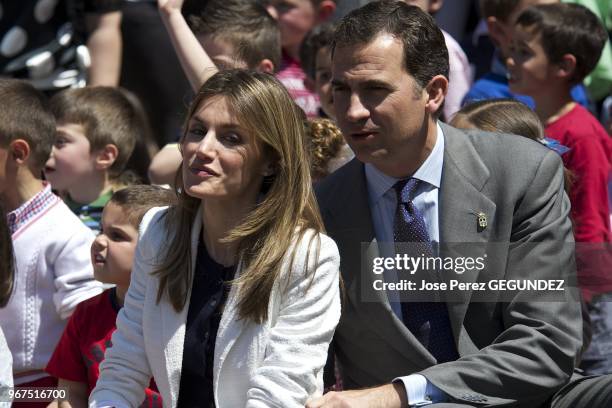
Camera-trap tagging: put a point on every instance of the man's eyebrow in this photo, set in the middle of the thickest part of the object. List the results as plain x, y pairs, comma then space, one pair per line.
375, 83
338, 82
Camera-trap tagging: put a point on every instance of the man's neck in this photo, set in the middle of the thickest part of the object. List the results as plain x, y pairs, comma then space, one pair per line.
550, 106
25, 187
413, 156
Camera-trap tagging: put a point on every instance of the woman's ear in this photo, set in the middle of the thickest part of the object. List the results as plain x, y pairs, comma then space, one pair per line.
436, 92
106, 157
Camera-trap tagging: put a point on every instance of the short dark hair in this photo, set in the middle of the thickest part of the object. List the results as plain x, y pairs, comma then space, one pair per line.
137, 199
246, 25
319, 37
107, 115
567, 28
500, 9
7, 260
425, 52
25, 114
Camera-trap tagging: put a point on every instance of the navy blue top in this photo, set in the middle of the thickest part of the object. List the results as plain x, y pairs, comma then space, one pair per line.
208, 294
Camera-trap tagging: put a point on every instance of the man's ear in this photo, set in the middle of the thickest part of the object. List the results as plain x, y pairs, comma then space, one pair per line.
567, 67
20, 151
266, 65
325, 10
435, 6
436, 91
106, 157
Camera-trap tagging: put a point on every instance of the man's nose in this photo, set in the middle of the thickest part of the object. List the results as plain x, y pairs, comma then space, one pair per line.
356, 110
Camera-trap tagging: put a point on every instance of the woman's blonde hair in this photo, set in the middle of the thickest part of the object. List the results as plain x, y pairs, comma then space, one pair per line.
263, 107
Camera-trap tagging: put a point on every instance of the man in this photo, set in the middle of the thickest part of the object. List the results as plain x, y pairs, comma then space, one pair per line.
390, 69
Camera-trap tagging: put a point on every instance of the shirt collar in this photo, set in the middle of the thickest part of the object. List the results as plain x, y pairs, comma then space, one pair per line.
430, 171
41, 200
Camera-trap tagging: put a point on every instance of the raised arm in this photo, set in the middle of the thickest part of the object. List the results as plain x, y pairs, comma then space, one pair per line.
196, 63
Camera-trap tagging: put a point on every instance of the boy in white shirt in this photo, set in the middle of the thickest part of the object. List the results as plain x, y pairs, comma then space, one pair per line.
52, 269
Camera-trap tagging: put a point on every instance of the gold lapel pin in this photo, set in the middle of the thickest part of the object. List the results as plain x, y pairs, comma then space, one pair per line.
481, 219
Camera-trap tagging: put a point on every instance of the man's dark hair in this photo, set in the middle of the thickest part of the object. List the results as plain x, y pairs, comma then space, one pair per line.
567, 28
244, 24
319, 37
425, 52
500, 9
26, 115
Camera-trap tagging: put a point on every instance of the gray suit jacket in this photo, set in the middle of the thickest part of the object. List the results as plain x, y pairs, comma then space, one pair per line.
517, 352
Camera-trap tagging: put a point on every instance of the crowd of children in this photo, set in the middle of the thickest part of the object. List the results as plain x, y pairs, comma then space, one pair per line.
72, 165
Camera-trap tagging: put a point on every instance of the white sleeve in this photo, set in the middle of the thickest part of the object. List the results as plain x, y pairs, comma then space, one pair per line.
73, 273
125, 371
299, 339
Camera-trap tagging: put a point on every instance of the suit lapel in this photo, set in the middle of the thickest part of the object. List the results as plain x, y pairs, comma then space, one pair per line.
173, 323
464, 176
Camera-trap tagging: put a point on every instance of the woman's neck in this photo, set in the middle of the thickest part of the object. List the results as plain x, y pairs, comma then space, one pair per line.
219, 218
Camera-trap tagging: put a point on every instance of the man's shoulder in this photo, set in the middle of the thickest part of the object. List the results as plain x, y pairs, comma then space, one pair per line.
337, 180
502, 153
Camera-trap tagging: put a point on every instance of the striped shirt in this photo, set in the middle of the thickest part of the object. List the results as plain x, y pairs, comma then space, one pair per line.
32, 208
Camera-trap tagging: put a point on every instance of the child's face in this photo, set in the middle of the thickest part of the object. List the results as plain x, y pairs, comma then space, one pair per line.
504, 37
323, 81
295, 19
221, 52
71, 162
529, 70
112, 252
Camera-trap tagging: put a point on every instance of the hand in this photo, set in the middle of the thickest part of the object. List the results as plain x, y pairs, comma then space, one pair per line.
170, 6
386, 396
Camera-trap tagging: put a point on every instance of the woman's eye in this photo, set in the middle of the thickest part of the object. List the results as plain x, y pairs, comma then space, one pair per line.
60, 142
232, 138
197, 131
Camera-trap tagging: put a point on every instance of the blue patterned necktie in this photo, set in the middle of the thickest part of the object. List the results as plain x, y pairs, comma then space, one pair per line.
427, 321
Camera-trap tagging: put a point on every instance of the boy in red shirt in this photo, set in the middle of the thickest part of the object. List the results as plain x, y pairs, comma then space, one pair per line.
78, 355
554, 47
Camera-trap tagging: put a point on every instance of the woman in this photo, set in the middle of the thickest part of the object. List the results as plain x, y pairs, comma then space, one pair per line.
246, 213
7, 280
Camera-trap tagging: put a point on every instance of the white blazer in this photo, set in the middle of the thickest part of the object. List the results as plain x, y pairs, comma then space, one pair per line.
275, 364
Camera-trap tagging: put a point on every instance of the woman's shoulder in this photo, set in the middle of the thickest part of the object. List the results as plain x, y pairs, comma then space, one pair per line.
310, 242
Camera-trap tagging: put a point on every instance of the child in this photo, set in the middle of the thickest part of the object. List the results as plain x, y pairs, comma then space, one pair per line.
554, 47
96, 132
228, 34
296, 18
315, 54
52, 270
500, 16
80, 351
328, 149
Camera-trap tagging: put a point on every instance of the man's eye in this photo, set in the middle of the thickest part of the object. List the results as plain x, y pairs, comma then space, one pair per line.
60, 142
